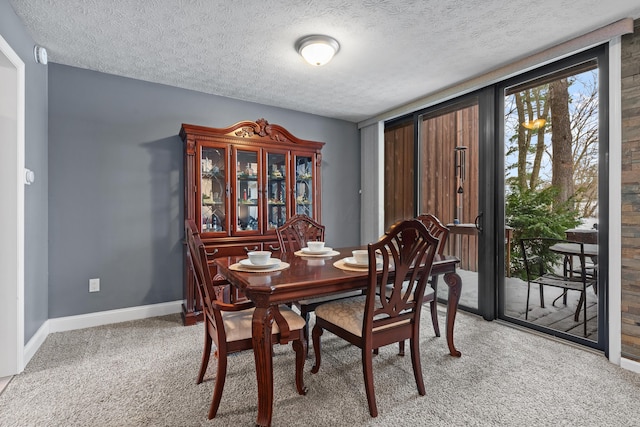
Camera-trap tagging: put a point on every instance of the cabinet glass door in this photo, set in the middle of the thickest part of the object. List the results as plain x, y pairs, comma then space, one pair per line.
304, 185
213, 193
276, 190
247, 195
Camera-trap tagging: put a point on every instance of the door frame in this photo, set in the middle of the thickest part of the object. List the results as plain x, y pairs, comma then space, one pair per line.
12, 191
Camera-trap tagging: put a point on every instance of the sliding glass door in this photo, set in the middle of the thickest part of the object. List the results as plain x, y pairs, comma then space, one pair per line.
448, 184
523, 158
553, 153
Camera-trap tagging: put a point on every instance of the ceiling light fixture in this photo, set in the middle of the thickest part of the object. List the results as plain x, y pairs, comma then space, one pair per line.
534, 124
317, 49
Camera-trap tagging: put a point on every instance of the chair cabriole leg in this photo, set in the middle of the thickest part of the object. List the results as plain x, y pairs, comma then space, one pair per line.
367, 370
221, 376
434, 317
206, 352
300, 347
414, 347
316, 333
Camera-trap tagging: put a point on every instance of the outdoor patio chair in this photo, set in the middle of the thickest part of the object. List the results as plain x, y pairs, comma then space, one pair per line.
544, 265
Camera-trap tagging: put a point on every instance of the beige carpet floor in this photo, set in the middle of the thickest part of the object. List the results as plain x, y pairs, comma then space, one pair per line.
142, 373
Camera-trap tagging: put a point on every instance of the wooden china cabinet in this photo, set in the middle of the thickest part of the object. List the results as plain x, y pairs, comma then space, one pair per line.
240, 184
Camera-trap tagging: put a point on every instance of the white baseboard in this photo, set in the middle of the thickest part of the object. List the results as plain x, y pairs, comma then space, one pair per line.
61, 324
81, 321
630, 365
35, 342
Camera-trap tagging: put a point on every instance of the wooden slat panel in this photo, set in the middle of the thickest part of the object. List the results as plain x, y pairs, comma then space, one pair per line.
437, 181
389, 176
399, 174
408, 173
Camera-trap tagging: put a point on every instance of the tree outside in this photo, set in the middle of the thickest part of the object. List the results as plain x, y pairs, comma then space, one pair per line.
551, 155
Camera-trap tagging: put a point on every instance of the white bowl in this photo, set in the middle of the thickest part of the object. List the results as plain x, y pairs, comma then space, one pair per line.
259, 257
361, 256
315, 246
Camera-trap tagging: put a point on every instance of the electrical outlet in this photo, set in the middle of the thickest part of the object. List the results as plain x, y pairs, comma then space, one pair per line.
94, 285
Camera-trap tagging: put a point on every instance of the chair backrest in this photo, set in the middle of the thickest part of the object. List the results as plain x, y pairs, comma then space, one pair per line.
437, 230
542, 255
537, 258
197, 260
401, 260
294, 234
193, 258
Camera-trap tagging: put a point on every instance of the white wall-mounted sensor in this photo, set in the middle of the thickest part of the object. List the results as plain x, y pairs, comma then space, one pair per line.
40, 54
29, 176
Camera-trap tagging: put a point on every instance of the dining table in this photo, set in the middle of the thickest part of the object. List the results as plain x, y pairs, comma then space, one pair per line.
309, 277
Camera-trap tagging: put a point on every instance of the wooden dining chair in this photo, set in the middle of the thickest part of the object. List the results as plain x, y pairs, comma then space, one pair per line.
229, 325
293, 235
440, 232
385, 315
299, 229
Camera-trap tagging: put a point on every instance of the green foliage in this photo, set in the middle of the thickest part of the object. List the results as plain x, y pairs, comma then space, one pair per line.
532, 213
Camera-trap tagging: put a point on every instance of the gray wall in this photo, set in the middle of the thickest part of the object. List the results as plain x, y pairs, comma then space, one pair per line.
116, 179
36, 204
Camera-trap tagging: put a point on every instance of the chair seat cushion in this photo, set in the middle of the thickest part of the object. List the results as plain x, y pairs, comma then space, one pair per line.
346, 313
237, 324
326, 298
428, 291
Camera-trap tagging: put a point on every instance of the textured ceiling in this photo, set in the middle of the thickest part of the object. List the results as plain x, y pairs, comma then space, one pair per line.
391, 53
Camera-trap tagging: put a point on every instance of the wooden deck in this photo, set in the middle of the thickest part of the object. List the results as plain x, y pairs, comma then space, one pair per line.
557, 317
561, 319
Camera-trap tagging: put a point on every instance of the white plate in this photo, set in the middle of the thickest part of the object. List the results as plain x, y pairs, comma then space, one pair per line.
324, 250
351, 261
271, 263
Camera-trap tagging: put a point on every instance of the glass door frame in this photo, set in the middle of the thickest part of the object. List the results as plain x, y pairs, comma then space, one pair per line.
484, 98
491, 196
600, 54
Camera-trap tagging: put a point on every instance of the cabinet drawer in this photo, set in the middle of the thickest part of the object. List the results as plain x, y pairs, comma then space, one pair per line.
272, 246
216, 251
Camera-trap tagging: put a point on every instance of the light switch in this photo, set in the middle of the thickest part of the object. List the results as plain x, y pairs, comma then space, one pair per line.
29, 176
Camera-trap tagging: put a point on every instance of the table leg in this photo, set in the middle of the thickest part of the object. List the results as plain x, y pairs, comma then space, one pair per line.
262, 352
454, 282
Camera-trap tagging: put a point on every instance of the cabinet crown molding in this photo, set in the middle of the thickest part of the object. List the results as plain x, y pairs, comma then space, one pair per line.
258, 131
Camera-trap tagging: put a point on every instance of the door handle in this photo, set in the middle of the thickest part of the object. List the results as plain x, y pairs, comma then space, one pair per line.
478, 223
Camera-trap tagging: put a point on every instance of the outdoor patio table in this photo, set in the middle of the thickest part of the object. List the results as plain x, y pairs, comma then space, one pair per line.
584, 235
573, 249
570, 250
